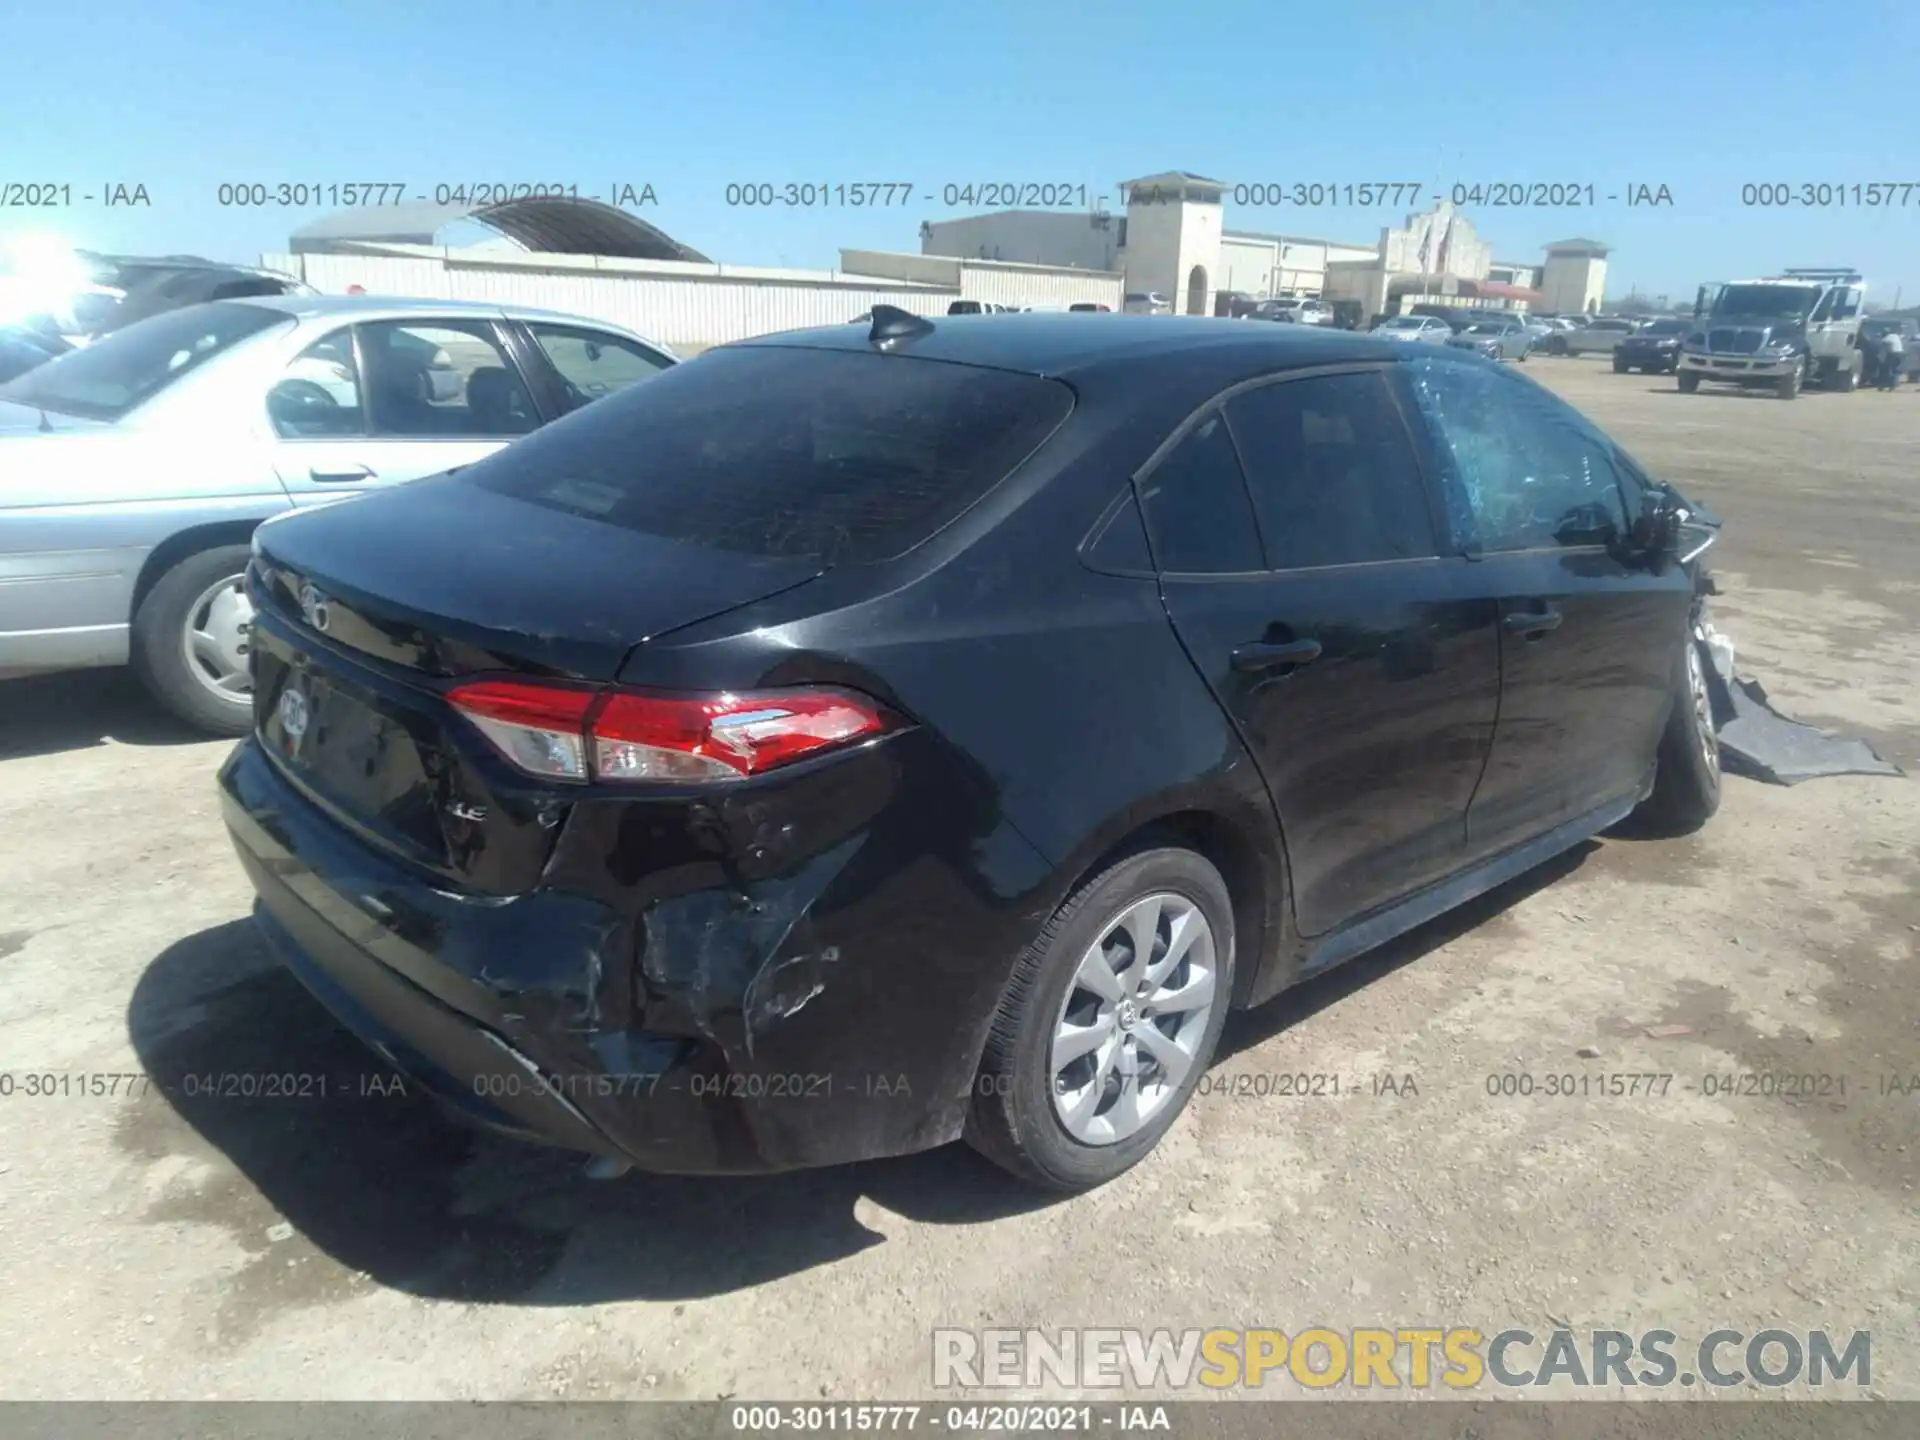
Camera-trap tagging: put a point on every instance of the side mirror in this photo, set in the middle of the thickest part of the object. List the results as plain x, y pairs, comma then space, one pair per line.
1655, 538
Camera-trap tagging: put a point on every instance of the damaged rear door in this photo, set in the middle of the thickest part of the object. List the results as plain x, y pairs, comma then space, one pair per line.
1357, 660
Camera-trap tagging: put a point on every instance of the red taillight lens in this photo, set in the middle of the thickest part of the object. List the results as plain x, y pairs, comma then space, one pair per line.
622, 735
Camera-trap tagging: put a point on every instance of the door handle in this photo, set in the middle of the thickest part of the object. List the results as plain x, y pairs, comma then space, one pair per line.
1265, 656
351, 475
1531, 622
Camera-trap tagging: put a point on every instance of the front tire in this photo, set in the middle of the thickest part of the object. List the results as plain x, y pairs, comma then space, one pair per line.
1686, 783
1689, 382
1790, 383
1108, 1023
191, 638
1620, 367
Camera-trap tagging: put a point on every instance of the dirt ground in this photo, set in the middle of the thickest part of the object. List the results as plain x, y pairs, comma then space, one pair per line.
172, 1246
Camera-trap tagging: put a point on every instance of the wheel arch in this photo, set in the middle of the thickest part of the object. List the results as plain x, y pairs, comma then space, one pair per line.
1248, 850
182, 543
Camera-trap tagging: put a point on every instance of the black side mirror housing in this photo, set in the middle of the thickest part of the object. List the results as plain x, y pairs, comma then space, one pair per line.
1655, 538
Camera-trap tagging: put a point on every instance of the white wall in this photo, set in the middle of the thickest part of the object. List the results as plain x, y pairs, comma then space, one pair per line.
1050, 286
1033, 237
676, 302
1263, 265
692, 306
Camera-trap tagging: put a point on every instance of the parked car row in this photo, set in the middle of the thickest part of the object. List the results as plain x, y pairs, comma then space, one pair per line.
134, 471
618, 782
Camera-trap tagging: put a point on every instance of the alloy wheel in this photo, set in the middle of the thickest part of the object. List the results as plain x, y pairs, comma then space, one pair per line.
1133, 1019
1702, 707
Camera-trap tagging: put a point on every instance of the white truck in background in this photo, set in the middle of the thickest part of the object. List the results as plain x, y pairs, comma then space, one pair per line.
1781, 332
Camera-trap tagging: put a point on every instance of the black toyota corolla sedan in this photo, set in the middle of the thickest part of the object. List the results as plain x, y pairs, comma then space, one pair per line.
857, 739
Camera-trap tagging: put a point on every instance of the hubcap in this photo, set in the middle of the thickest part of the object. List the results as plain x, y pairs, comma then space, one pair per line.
1702, 707
1133, 1019
216, 638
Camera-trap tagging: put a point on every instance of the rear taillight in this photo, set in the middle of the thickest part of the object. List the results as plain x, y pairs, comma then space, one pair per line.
568, 733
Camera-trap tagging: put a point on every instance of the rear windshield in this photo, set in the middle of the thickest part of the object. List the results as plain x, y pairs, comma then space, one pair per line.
833, 456
111, 377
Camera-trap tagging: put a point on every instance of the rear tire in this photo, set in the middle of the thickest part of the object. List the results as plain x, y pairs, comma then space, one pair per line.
1026, 1083
197, 590
1686, 783
1846, 380
1620, 367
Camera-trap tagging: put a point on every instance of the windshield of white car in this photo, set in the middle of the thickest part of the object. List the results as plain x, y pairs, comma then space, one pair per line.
112, 377
1773, 302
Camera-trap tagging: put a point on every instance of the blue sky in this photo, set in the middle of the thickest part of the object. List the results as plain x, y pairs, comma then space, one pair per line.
1701, 97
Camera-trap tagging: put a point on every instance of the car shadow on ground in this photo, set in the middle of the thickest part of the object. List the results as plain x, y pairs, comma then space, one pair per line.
78, 709
1248, 1028
378, 1179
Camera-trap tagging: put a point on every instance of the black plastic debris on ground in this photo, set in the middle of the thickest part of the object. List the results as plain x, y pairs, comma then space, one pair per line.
1760, 743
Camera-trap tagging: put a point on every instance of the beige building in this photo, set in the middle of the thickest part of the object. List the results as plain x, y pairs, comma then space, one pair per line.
1264, 266
1173, 240
1575, 275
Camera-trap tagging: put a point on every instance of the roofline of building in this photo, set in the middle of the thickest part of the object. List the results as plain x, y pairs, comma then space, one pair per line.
996, 214
1373, 247
1185, 175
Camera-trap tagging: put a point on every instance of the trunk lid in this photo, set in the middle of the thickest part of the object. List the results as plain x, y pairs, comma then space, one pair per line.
446, 578
368, 610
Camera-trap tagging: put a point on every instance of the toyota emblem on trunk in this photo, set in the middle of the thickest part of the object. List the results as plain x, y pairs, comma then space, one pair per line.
313, 607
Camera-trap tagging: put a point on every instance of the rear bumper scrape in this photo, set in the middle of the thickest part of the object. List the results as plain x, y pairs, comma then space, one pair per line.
779, 1005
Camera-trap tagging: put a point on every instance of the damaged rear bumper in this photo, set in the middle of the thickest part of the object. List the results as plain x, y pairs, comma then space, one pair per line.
719, 1029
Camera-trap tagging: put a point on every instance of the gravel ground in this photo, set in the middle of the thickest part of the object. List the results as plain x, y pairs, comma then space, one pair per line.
167, 1246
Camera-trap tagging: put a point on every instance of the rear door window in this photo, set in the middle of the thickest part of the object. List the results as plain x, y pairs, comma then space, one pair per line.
833, 456
1333, 472
594, 363
1199, 517
441, 380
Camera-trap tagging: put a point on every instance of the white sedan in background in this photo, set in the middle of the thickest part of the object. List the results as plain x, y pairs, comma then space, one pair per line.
133, 472
1427, 329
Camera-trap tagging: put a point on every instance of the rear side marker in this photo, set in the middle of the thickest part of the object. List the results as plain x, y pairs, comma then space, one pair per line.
574, 733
